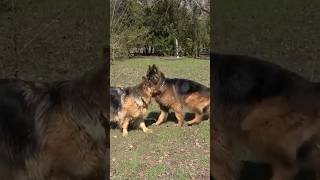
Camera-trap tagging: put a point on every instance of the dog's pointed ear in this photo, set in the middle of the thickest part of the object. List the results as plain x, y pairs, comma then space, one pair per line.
149, 69
155, 68
162, 75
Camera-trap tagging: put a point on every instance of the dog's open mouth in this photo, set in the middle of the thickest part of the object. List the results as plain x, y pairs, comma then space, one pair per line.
156, 93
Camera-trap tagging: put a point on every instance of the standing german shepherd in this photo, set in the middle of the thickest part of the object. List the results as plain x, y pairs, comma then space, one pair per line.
130, 105
177, 93
54, 131
265, 111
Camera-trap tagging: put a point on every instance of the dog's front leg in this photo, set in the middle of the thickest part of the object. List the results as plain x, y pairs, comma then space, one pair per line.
125, 125
163, 115
225, 166
178, 110
283, 172
144, 128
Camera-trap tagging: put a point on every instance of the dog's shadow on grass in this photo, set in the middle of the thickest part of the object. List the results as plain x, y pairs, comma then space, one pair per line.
153, 116
114, 125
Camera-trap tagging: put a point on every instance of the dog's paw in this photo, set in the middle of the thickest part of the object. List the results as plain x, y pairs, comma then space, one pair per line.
189, 123
157, 124
125, 134
178, 125
148, 131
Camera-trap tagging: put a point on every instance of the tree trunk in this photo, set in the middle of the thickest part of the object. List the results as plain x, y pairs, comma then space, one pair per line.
177, 48
112, 59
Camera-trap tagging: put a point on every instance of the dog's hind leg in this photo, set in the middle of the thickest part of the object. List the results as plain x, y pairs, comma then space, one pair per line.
100, 175
281, 172
144, 128
225, 165
163, 115
206, 110
196, 120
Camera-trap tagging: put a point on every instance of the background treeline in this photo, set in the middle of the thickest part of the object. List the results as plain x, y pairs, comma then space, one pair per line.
155, 27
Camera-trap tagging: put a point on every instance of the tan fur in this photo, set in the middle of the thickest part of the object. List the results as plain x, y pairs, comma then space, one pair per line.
195, 102
69, 144
133, 110
274, 129
168, 97
65, 150
263, 113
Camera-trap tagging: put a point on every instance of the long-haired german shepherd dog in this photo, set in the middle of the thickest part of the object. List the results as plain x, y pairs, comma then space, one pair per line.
54, 131
130, 105
266, 112
177, 93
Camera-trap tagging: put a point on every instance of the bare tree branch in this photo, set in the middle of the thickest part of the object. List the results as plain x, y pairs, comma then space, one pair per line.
201, 7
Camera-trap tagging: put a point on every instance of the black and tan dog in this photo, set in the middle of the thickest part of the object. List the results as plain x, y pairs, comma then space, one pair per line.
177, 93
130, 105
54, 131
263, 111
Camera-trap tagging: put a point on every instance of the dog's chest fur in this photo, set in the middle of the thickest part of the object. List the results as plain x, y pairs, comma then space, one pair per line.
166, 98
135, 107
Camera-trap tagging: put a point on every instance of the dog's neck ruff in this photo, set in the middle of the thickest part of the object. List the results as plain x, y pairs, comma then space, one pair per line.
162, 84
142, 102
159, 92
145, 104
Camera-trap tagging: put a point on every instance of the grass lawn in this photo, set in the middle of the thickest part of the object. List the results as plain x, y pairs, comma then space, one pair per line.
169, 152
